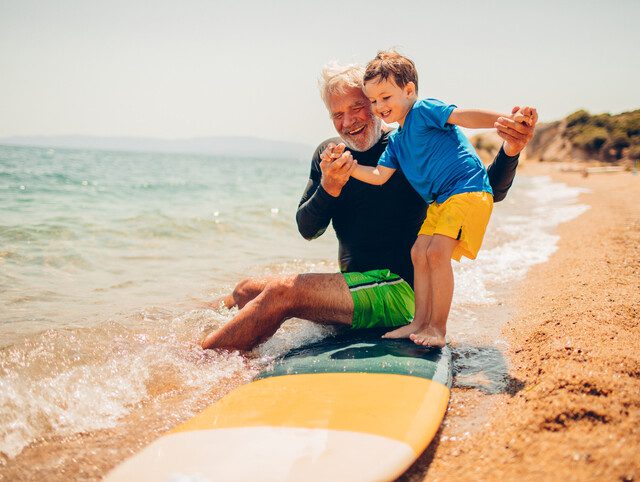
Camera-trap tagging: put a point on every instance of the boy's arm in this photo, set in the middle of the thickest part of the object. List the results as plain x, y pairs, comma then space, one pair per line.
474, 118
373, 175
481, 119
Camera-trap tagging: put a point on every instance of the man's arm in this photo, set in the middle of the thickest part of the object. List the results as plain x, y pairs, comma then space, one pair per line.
501, 173
328, 176
516, 135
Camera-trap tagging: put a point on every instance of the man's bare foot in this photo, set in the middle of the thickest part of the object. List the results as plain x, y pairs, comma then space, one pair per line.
406, 330
429, 337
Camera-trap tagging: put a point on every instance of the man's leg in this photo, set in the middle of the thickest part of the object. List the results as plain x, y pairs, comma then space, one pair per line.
323, 298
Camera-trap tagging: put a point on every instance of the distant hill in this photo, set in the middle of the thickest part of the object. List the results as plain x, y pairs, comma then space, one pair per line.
220, 146
580, 136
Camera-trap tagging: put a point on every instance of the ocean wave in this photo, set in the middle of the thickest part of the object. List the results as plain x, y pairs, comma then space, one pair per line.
62, 382
169, 187
40, 231
525, 240
156, 224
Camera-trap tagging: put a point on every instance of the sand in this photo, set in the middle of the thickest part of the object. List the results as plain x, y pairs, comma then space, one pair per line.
572, 411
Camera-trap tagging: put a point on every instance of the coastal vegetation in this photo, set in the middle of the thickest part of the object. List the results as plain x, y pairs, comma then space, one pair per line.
605, 136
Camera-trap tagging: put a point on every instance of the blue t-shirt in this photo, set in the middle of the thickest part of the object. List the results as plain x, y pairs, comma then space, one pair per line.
436, 157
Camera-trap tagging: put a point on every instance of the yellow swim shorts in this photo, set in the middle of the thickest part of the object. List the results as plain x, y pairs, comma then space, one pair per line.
463, 217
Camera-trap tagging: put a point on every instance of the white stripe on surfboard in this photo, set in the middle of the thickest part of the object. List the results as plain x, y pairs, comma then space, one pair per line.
267, 454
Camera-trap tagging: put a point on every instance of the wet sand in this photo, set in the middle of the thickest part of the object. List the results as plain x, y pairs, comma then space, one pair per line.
572, 409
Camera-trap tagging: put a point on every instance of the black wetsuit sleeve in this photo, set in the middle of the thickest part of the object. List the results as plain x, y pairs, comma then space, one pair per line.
316, 206
501, 174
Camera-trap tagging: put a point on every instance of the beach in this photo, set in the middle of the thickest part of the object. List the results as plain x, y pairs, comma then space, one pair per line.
572, 410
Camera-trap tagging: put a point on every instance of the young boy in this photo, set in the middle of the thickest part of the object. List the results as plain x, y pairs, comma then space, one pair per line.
445, 170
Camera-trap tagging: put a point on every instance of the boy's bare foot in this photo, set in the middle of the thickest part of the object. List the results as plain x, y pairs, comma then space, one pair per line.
406, 330
429, 337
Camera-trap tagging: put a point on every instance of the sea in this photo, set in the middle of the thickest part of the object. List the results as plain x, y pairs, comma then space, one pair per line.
107, 259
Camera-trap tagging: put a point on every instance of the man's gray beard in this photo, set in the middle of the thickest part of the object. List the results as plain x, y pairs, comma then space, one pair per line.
374, 136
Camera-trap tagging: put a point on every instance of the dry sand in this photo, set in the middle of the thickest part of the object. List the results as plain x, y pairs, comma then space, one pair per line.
573, 408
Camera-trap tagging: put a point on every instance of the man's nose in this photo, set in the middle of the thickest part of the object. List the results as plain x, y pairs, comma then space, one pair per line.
349, 120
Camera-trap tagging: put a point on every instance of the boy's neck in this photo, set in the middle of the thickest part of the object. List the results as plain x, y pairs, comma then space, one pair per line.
410, 106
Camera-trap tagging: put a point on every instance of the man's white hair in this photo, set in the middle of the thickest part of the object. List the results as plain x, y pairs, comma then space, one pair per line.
337, 79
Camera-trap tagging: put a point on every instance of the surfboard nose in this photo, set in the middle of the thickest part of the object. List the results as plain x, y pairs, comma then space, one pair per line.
267, 454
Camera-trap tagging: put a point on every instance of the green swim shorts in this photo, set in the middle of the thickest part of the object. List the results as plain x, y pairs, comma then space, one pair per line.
380, 298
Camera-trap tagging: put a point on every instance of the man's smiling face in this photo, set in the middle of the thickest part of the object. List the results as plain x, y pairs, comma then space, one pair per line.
352, 117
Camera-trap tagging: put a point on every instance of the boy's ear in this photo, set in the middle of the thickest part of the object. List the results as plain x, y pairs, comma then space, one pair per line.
410, 88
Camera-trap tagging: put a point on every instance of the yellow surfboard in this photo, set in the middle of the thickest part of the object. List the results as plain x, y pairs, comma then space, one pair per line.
353, 407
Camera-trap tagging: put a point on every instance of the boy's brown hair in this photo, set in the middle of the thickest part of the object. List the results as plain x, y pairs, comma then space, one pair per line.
390, 63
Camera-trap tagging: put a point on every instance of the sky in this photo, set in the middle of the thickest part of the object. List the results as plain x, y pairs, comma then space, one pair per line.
194, 68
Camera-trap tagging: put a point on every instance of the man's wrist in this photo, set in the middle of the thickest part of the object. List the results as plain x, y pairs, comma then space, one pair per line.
510, 151
331, 190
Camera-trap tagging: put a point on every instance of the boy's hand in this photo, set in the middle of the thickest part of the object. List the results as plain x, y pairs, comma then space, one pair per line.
336, 165
523, 115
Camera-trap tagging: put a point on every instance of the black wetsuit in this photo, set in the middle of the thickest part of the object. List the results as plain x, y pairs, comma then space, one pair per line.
377, 225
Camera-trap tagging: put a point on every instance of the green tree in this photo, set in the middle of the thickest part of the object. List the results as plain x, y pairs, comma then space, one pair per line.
579, 117
591, 137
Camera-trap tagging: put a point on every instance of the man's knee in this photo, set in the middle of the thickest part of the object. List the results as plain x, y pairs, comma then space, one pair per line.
246, 290
241, 288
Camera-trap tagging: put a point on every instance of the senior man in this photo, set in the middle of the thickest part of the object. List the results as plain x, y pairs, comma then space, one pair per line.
376, 227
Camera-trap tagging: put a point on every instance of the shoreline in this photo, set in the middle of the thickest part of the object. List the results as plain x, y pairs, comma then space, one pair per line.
572, 407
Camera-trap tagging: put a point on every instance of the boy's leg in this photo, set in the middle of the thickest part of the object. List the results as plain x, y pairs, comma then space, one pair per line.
421, 288
323, 298
422, 279
441, 272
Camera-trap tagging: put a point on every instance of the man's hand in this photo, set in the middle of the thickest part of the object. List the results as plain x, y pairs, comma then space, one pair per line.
517, 134
336, 165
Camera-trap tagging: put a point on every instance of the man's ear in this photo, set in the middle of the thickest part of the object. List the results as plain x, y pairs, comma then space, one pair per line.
410, 88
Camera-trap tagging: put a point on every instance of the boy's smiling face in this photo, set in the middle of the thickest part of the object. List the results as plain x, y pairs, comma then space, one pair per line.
389, 101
